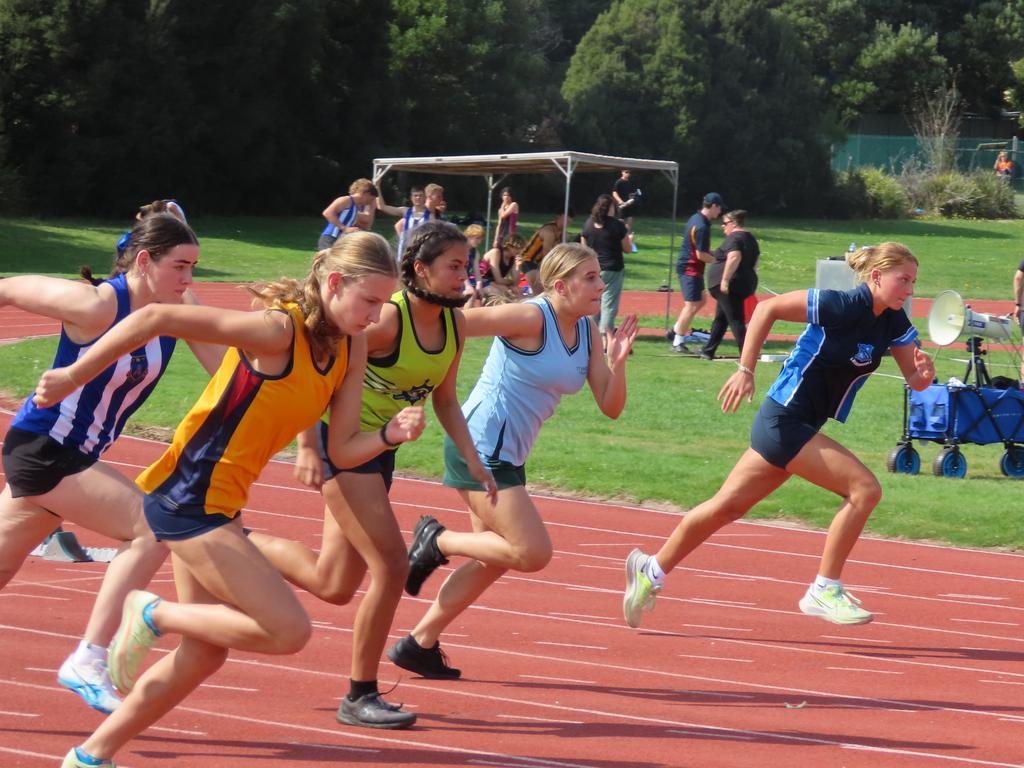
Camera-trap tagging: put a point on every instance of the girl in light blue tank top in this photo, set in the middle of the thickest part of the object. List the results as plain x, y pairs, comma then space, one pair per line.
543, 349
50, 455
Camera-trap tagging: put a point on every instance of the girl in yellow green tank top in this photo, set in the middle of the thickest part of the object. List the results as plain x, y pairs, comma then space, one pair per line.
229, 596
413, 353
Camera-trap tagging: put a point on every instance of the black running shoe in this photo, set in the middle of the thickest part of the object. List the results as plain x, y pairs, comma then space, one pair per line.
371, 711
431, 663
424, 556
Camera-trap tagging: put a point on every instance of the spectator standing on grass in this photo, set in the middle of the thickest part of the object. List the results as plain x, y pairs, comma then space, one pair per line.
537, 247
732, 279
608, 238
693, 255
543, 348
508, 217
846, 336
349, 213
626, 198
474, 236
1018, 299
427, 203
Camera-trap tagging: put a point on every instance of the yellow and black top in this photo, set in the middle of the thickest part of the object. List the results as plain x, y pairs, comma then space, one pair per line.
239, 422
409, 374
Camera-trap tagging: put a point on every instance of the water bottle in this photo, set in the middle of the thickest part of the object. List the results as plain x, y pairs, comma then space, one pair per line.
852, 248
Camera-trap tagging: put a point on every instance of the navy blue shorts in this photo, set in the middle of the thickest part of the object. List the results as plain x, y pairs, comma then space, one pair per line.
173, 522
692, 287
382, 464
778, 434
36, 464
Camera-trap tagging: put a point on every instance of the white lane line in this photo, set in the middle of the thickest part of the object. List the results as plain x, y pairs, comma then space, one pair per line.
851, 638
724, 629
179, 731
558, 679
541, 719
1002, 682
35, 597
229, 687
709, 734
872, 671
6, 713
580, 616
973, 597
728, 603
41, 669
982, 621
571, 645
601, 567
714, 658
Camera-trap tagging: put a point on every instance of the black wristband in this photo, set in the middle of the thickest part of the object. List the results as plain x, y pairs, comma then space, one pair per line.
384, 435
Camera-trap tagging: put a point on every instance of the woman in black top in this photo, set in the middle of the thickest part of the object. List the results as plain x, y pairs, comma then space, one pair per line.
732, 279
607, 236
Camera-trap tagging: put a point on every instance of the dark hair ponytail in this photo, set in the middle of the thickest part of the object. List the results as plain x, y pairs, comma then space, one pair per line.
157, 233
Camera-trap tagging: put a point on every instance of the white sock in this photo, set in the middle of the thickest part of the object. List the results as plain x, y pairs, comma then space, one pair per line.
821, 582
678, 339
87, 652
653, 571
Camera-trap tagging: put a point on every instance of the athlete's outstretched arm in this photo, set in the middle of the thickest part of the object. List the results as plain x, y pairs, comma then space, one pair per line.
347, 446
607, 378
508, 320
790, 306
446, 406
258, 333
89, 308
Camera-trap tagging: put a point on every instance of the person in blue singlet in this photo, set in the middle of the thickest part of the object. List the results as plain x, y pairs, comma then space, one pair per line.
51, 455
544, 348
427, 204
349, 213
846, 335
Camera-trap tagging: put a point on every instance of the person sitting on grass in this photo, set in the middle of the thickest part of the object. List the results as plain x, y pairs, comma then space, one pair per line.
846, 335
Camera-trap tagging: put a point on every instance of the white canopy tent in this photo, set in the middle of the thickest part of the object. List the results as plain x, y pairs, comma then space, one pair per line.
495, 168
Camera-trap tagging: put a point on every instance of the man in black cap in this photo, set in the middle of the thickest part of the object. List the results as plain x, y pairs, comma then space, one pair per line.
694, 254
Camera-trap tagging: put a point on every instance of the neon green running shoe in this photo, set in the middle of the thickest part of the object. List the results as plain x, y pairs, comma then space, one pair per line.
71, 760
132, 641
835, 604
640, 590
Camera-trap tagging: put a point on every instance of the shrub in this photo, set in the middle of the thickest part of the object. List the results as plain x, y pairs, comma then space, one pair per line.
848, 198
995, 198
885, 195
979, 195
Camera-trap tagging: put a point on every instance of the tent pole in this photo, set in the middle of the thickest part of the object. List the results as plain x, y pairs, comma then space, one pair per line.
671, 251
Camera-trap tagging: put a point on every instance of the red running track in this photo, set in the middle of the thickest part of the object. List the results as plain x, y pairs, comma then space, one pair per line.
725, 672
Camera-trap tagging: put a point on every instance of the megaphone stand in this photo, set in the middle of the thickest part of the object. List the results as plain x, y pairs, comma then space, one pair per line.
976, 350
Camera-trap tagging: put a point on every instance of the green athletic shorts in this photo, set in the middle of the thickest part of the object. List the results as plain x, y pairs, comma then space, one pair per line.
456, 473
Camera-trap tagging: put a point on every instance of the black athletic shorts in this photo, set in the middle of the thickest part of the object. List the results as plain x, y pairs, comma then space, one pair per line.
382, 464
35, 464
778, 434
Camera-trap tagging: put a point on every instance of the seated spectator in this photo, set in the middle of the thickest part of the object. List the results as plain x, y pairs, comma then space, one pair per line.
1004, 166
537, 247
474, 282
349, 213
500, 272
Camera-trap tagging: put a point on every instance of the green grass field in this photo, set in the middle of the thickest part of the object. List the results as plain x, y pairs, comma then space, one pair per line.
672, 445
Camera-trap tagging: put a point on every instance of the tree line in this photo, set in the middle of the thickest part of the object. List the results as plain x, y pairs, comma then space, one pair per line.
273, 106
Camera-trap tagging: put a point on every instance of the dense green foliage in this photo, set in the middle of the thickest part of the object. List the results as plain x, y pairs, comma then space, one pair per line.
273, 106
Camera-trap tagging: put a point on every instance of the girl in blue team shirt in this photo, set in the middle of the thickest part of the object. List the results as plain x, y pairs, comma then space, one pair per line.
51, 455
847, 333
545, 347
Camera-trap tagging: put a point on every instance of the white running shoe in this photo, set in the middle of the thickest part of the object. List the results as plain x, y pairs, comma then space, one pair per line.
835, 604
90, 681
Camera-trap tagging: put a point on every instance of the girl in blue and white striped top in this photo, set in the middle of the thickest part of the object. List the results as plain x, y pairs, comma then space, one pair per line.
50, 455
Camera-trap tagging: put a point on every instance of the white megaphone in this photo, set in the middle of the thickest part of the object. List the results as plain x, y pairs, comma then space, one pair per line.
950, 318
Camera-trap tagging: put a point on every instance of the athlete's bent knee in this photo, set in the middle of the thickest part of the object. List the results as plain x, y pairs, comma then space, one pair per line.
291, 637
866, 494
534, 559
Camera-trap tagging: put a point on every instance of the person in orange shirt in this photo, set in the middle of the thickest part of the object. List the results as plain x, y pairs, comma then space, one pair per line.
1004, 166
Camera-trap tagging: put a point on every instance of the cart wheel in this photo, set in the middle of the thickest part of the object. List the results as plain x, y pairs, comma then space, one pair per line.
904, 459
949, 463
1012, 462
